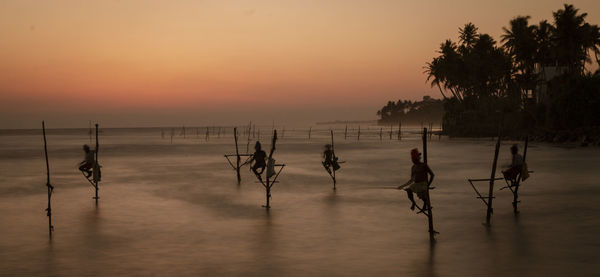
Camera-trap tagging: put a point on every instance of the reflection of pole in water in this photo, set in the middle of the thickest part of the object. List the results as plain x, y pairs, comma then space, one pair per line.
48, 185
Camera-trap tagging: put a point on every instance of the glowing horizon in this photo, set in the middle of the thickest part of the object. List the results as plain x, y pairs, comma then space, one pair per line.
158, 62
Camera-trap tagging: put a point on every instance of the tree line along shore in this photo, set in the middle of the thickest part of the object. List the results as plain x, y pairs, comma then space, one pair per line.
541, 81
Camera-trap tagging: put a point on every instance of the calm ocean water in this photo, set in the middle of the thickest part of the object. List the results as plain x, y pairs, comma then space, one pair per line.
174, 209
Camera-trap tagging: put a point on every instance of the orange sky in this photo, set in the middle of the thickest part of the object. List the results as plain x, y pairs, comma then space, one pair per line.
156, 63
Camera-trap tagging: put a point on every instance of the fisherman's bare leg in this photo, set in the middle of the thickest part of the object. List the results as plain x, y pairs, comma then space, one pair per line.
411, 197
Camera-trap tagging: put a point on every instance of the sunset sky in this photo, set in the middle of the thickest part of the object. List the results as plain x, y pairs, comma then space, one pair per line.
160, 63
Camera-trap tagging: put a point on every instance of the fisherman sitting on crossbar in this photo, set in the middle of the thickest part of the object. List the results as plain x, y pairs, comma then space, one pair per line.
87, 164
259, 158
418, 182
516, 167
329, 159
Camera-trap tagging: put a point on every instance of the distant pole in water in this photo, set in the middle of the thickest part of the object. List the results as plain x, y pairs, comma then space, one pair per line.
346, 132
399, 130
172, 134
391, 131
207, 134
248, 143
48, 185
430, 130
380, 133
358, 136
490, 210
429, 214
90, 131
309, 131
96, 167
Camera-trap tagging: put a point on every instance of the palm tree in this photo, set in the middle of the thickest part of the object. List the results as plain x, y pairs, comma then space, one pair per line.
570, 35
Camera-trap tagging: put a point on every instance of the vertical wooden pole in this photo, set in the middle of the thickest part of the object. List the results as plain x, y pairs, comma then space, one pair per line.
358, 136
380, 133
428, 200
269, 182
399, 130
490, 210
237, 154
96, 166
48, 185
333, 157
391, 131
346, 132
309, 131
207, 134
518, 181
172, 134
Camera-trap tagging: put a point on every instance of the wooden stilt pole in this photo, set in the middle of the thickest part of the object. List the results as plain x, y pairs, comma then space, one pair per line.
346, 132
172, 134
237, 154
391, 131
96, 166
358, 136
48, 185
518, 181
399, 130
331, 166
309, 131
380, 133
490, 210
432, 232
207, 134
269, 182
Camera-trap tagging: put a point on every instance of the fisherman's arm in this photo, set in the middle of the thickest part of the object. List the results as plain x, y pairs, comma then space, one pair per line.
431, 176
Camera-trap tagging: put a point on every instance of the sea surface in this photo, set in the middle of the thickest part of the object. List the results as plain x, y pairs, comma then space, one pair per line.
174, 208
